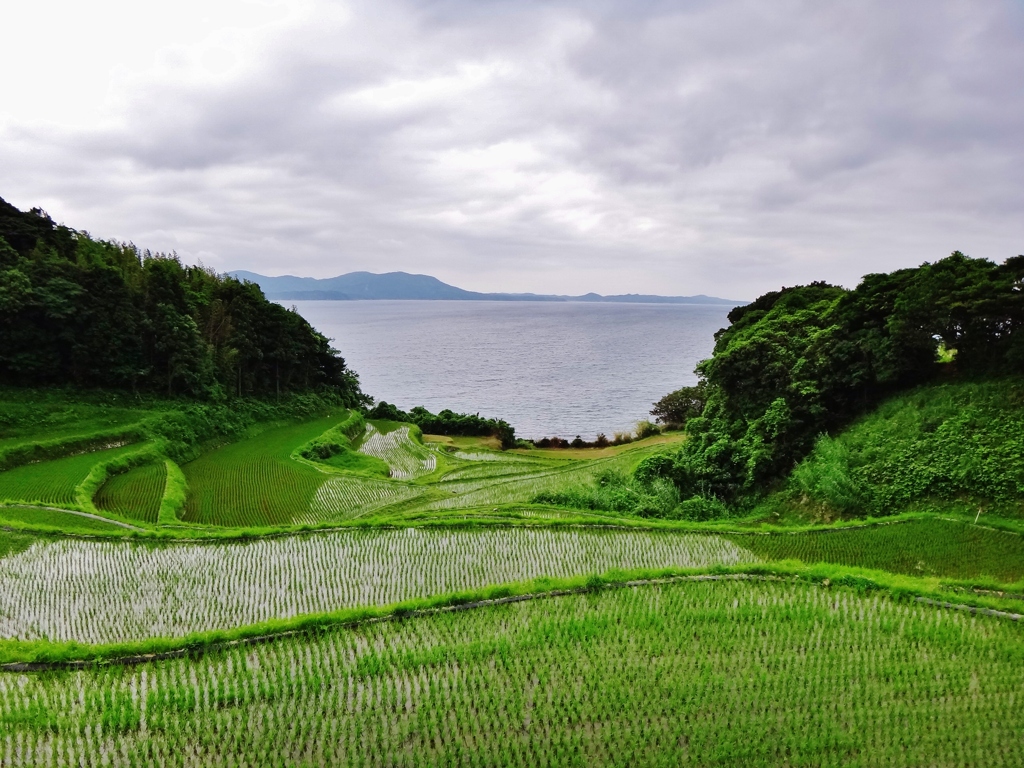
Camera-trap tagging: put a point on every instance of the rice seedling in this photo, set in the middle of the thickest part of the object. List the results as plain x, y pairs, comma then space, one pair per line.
693, 673
110, 591
134, 494
344, 497
406, 457
497, 487
926, 547
53, 482
255, 481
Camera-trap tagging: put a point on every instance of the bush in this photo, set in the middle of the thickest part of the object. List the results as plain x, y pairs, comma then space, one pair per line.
676, 408
646, 429
702, 508
660, 465
447, 422
613, 491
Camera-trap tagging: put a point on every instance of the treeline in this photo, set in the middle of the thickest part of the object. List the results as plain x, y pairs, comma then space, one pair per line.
75, 310
644, 429
804, 361
448, 422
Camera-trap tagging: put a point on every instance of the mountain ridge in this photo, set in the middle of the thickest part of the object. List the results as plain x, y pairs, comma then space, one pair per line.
364, 286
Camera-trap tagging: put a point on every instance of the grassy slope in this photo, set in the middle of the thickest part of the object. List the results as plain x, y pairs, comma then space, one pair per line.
357, 463
30, 417
54, 520
951, 446
254, 481
714, 673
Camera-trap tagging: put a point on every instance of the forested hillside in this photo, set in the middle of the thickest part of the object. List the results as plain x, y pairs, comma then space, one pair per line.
74, 309
804, 361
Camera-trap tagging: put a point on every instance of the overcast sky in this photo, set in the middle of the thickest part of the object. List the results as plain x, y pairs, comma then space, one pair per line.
724, 147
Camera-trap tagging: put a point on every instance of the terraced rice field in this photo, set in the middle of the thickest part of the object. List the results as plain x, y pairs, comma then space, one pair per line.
930, 547
407, 458
109, 591
134, 494
254, 482
719, 673
344, 497
38, 422
504, 483
53, 482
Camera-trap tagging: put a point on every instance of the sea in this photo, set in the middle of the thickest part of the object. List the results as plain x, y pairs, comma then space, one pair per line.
548, 368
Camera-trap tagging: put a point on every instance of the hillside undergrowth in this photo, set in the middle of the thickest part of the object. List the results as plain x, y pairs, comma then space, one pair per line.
958, 444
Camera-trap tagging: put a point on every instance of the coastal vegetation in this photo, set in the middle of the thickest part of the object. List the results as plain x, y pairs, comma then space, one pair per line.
107, 314
216, 550
804, 362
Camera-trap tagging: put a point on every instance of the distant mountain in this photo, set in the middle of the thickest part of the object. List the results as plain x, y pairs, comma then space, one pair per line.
402, 285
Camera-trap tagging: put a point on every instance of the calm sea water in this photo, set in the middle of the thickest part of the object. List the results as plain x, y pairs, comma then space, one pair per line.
555, 368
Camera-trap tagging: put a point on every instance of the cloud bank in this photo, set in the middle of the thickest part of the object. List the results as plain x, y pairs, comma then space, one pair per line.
560, 147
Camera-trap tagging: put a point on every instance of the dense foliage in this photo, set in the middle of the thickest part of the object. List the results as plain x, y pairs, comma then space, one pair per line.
617, 492
678, 407
962, 441
804, 361
448, 422
103, 314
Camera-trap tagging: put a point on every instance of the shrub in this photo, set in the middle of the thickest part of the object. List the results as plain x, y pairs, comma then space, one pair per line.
676, 408
702, 508
614, 491
646, 429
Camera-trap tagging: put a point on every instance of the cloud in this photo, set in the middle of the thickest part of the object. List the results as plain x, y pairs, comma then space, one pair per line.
668, 147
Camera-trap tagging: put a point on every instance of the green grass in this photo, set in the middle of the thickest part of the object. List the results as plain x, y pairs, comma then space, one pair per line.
31, 422
357, 463
134, 494
255, 482
718, 673
12, 543
957, 443
53, 482
54, 519
927, 547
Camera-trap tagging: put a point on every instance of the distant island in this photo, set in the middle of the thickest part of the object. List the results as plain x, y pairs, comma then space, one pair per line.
356, 286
